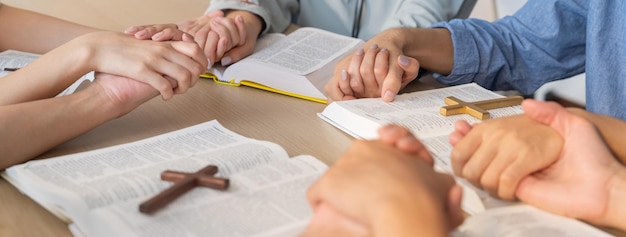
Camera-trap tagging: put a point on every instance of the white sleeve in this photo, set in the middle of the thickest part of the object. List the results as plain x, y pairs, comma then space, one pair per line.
276, 14
423, 13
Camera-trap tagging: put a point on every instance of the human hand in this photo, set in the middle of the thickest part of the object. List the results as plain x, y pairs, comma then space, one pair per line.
369, 74
406, 188
497, 154
227, 39
580, 183
327, 221
151, 62
123, 93
157, 32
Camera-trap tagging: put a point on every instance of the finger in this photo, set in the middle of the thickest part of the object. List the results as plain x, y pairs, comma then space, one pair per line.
159, 82
222, 46
533, 190
410, 66
394, 80
231, 27
192, 55
333, 90
133, 29
354, 71
185, 66
475, 166
168, 34
463, 150
344, 85
367, 73
238, 53
402, 139
200, 34
461, 128
492, 174
210, 47
381, 69
512, 176
545, 113
241, 28
165, 31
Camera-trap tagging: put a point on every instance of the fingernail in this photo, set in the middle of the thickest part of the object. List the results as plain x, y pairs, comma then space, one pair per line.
157, 35
209, 63
344, 75
389, 96
226, 60
374, 46
384, 50
404, 60
141, 33
130, 29
360, 52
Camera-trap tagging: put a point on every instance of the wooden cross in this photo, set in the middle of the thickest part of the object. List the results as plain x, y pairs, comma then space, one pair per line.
477, 109
183, 182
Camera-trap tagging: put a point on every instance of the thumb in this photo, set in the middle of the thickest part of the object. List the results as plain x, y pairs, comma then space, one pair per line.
188, 38
533, 191
237, 53
410, 66
547, 113
405, 67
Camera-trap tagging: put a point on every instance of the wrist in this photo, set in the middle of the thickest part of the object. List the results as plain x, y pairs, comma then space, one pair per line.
616, 208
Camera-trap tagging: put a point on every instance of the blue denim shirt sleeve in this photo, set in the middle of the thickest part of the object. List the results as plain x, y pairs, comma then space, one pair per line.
542, 42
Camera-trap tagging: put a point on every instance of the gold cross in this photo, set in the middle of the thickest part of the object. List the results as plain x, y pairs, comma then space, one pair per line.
183, 182
477, 109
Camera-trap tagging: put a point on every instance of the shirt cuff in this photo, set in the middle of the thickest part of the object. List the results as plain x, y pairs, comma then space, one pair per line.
466, 54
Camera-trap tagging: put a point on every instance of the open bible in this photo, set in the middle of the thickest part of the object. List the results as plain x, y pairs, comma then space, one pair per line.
298, 64
99, 192
420, 113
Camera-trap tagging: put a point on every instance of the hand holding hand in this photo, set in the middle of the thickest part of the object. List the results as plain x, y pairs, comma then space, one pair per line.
584, 181
497, 154
151, 62
123, 93
407, 189
368, 73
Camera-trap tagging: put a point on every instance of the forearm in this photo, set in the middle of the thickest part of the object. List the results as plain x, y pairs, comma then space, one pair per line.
431, 47
34, 32
46, 76
29, 129
612, 131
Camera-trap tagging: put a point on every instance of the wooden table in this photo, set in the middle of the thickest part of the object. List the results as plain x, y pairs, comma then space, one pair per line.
290, 122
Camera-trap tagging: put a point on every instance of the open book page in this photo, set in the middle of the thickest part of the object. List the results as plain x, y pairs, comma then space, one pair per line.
305, 50
261, 43
524, 220
301, 63
79, 183
17, 59
419, 111
268, 200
